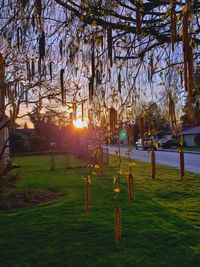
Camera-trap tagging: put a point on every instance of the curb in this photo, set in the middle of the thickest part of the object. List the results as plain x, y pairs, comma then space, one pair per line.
169, 150
172, 150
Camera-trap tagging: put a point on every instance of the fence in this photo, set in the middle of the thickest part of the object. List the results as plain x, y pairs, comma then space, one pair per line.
84, 155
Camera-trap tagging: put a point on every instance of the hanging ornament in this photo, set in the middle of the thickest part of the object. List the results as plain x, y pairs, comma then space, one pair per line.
87, 193
113, 120
61, 48
130, 134
82, 111
74, 107
173, 23
62, 86
117, 225
42, 46
50, 70
172, 112
130, 188
109, 41
138, 19
71, 118
188, 56
28, 70
119, 83
19, 37
91, 89
182, 163
38, 5
26, 98
153, 164
32, 68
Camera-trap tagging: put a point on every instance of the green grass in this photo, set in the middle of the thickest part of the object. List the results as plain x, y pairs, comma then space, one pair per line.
161, 228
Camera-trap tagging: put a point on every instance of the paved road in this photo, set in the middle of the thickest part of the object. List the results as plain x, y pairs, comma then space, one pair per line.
192, 161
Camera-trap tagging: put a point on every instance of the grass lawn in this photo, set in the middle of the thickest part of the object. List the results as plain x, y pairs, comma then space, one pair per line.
161, 228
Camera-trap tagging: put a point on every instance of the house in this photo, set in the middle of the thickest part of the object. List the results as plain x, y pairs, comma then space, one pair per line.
164, 134
4, 143
21, 140
190, 134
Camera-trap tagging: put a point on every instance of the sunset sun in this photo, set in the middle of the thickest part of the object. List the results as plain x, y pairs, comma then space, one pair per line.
80, 123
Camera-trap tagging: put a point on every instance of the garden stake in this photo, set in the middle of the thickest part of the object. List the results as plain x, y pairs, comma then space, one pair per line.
117, 225
87, 194
153, 164
182, 164
130, 188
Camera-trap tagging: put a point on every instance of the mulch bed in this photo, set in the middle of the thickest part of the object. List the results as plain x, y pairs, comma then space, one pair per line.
25, 197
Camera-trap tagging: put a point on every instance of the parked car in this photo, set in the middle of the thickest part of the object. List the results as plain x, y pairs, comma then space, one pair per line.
169, 143
148, 143
161, 141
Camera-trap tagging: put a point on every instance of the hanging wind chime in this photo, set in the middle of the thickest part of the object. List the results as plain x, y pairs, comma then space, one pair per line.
87, 193
63, 97
173, 23
110, 44
188, 56
138, 19
113, 120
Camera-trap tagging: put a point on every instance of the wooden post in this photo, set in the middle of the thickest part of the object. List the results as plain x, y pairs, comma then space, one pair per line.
52, 161
67, 164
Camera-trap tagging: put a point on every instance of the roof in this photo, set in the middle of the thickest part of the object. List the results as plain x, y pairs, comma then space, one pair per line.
164, 132
191, 130
24, 133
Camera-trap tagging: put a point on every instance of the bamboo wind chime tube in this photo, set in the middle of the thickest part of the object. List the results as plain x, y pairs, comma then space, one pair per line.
42, 46
60, 48
71, 118
82, 111
182, 164
110, 49
153, 164
173, 23
87, 194
19, 38
74, 110
38, 5
32, 68
113, 120
188, 56
130, 188
130, 133
117, 225
172, 112
50, 70
62, 86
138, 20
119, 83
91, 80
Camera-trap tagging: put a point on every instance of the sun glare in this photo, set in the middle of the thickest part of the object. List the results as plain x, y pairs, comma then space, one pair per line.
79, 123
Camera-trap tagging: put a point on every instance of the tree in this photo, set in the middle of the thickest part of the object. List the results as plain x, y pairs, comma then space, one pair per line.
104, 47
